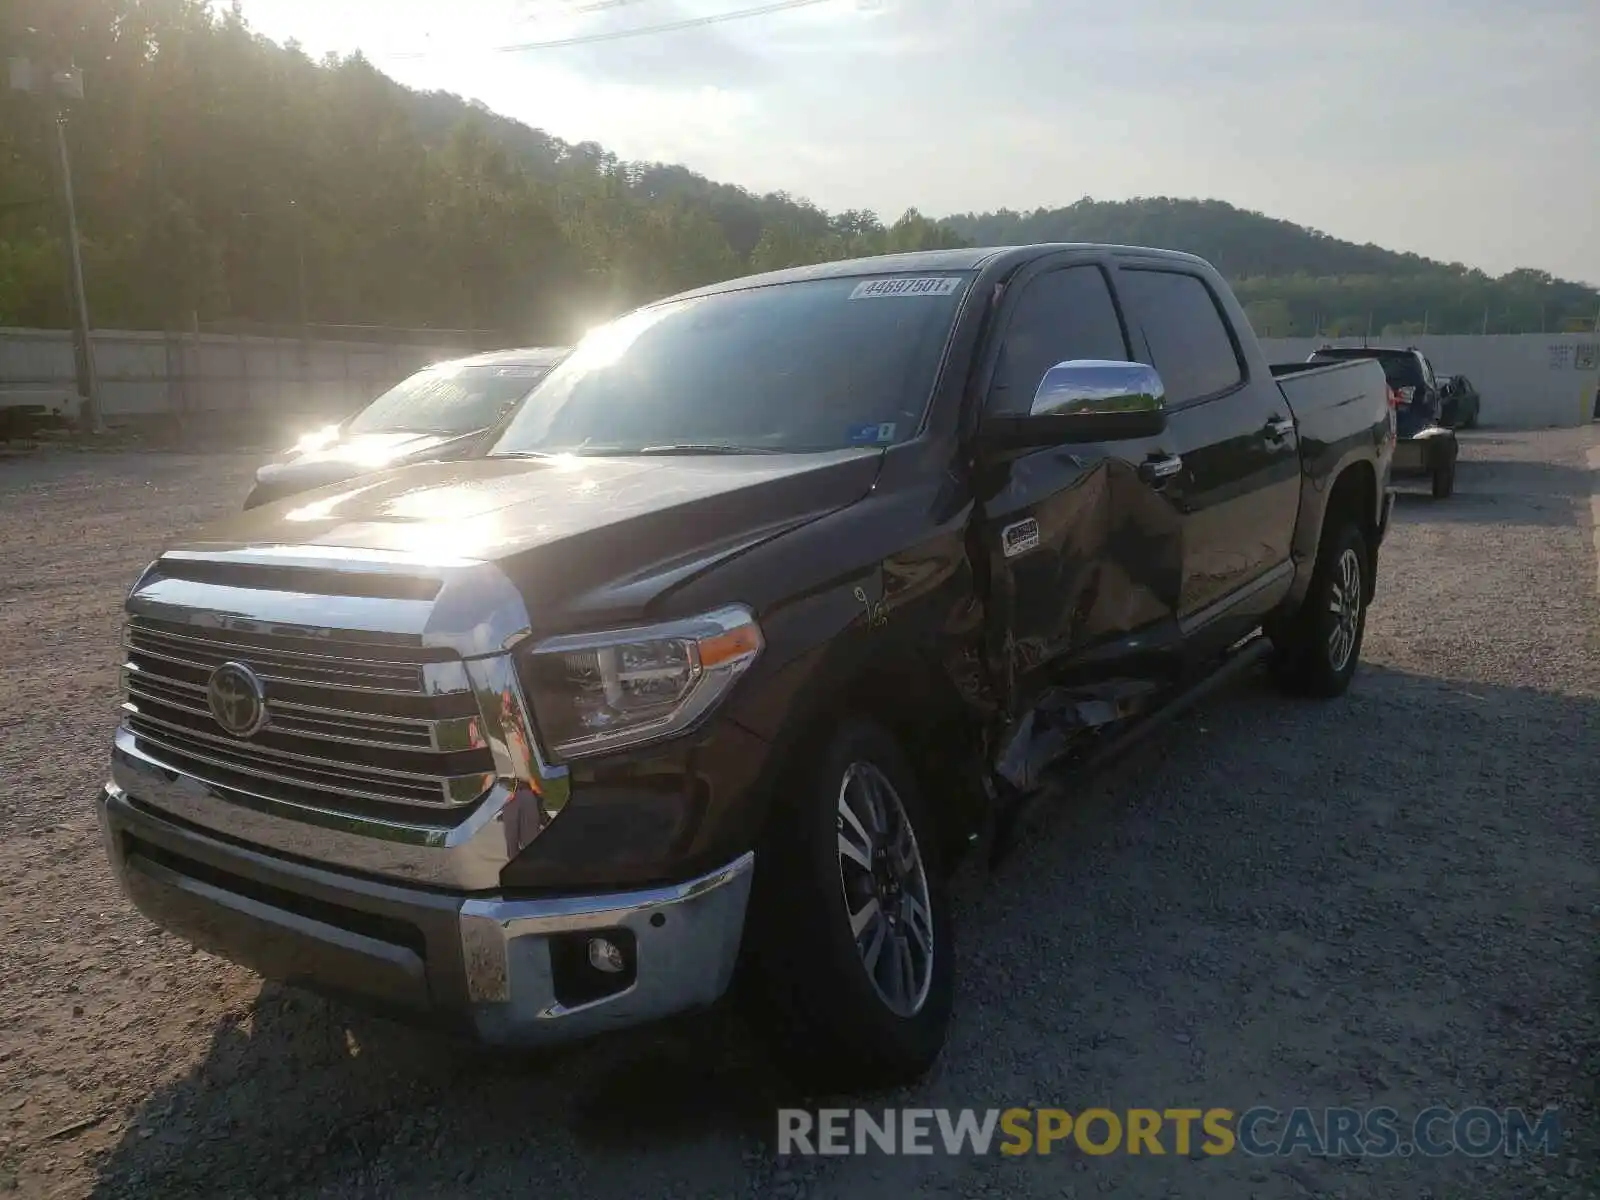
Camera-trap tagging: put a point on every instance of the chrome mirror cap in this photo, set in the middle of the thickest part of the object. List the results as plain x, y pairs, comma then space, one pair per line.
1088, 386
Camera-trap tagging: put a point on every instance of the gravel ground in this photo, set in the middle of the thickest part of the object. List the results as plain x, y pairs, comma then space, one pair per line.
1386, 900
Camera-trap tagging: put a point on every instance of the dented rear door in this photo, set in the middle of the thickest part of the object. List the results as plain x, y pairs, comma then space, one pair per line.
1085, 558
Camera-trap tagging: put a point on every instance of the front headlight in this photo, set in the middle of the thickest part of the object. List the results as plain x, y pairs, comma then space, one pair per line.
593, 693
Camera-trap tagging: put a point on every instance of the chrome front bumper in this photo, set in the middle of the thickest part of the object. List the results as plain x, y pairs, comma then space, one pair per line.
507, 971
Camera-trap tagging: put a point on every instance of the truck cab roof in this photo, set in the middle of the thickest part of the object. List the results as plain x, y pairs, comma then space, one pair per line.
966, 258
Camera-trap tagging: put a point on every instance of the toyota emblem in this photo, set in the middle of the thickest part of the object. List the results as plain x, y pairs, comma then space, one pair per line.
237, 699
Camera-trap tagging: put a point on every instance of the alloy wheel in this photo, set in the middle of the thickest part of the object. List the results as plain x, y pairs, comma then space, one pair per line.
1345, 604
885, 889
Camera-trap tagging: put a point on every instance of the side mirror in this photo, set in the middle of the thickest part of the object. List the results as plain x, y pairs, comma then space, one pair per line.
1086, 400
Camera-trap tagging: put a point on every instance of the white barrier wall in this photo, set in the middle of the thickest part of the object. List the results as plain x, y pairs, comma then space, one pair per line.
1527, 380
151, 374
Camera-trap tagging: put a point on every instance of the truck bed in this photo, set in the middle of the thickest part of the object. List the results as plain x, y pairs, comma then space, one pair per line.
1341, 413
1316, 390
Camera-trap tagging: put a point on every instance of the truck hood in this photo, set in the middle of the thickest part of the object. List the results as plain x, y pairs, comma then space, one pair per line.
575, 534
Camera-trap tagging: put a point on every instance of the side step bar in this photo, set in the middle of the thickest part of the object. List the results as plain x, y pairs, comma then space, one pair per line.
1017, 809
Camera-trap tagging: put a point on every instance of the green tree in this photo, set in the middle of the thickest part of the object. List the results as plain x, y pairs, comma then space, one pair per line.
207, 158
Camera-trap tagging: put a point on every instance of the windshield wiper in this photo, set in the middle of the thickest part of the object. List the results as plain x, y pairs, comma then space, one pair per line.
701, 448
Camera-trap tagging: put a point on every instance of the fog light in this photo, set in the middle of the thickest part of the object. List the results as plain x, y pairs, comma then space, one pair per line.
605, 956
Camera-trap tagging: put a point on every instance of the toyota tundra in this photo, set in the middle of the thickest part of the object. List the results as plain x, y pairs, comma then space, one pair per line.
772, 598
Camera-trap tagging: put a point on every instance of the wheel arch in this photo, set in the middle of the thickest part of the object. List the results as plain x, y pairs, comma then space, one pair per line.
907, 692
1351, 490
1354, 495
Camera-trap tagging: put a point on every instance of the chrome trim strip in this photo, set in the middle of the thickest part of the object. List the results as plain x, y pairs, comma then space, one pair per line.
146, 692
685, 938
356, 558
221, 606
331, 787
519, 763
243, 650
477, 612
468, 856
439, 679
443, 734
336, 766
1274, 575
686, 955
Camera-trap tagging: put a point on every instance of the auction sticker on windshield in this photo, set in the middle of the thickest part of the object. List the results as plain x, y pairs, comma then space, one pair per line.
926, 285
872, 435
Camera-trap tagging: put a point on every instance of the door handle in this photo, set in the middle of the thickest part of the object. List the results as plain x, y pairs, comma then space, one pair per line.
1157, 471
1279, 427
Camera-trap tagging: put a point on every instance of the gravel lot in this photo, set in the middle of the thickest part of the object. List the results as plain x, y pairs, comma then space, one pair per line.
1390, 899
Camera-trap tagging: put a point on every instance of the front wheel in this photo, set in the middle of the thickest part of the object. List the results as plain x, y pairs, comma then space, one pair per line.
850, 933
1319, 648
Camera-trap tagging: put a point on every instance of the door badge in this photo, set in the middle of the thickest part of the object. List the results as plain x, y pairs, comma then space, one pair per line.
1020, 537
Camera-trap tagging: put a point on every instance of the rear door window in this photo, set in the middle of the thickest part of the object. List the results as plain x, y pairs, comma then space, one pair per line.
1184, 332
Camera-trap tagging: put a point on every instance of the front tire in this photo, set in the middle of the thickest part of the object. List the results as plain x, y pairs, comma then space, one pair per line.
851, 939
1319, 649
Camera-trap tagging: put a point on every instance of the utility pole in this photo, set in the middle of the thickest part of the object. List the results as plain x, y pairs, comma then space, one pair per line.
305, 311
88, 384
300, 264
63, 85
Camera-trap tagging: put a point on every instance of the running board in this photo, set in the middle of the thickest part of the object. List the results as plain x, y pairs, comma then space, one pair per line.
1018, 808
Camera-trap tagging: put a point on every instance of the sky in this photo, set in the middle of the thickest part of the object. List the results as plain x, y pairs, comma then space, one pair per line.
1465, 130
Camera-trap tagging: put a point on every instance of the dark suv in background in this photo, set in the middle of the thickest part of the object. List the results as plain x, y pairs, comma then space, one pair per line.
1426, 445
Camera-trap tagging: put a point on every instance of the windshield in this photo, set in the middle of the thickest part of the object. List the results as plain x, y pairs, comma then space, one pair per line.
449, 399
819, 364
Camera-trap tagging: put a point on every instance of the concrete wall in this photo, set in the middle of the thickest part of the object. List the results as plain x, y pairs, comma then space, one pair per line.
265, 381
1527, 380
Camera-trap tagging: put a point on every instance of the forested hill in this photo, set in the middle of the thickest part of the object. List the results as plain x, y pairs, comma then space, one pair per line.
1237, 242
210, 163
1299, 280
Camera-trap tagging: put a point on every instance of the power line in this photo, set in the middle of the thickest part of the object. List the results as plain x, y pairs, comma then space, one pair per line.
597, 6
739, 14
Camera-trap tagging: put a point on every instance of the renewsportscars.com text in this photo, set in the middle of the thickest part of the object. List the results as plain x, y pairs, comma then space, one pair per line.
1257, 1132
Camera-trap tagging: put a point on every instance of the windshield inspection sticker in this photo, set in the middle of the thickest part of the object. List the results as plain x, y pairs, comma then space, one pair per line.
872, 435
1020, 538
927, 285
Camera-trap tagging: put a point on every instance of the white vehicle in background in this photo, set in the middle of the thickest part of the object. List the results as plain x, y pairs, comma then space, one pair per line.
442, 411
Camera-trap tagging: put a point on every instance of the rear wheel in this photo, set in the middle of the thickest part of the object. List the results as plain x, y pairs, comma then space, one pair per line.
1444, 474
851, 939
1319, 648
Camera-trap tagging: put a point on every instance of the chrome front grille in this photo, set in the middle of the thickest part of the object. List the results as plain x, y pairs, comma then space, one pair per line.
372, 726
320, 662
